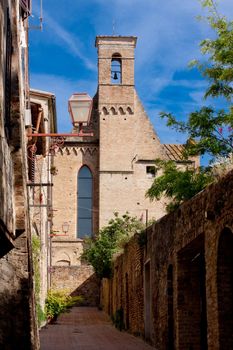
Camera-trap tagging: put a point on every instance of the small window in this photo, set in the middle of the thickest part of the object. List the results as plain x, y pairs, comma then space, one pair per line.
150, 171
116, 69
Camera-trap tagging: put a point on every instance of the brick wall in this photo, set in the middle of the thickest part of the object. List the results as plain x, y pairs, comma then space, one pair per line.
125, 289
185, 256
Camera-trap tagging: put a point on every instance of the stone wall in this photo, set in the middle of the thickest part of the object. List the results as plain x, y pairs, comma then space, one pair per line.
18, 329
77, 280
17, 319
182, 267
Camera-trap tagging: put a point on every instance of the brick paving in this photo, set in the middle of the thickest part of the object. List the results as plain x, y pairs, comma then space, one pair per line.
87, 328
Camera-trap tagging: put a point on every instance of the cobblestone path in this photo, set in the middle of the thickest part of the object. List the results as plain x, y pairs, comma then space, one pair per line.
86, 328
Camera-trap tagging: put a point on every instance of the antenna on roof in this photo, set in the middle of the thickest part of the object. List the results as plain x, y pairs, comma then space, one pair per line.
40, 26
113, 27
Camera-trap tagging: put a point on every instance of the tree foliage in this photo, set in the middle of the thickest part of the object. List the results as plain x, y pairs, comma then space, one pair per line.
59, 301
100, 250
178, 184
210, 130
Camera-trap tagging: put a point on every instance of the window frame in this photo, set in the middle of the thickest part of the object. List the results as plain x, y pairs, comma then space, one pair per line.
85, 198
116, 57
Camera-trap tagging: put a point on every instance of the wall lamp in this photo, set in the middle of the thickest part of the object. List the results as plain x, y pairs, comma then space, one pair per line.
79, 107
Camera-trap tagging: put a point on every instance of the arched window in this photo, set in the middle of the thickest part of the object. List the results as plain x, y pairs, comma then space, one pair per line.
85, 188
116, 69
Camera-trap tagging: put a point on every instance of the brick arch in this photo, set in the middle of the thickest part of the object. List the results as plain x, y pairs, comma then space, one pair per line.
75, 151
67, 151
113, 110
225, 288
105, 111
170, 303
191, 302
121, 111
129, 110
86, 166
63, 259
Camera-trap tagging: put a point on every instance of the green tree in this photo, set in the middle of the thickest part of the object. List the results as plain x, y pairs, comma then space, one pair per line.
111, 239
209, 130
178, 184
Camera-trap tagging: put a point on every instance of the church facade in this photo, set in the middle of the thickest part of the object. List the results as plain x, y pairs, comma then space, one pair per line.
111, 171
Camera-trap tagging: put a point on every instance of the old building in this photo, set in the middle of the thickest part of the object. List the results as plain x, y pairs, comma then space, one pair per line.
111, 171
17, 316
41, 150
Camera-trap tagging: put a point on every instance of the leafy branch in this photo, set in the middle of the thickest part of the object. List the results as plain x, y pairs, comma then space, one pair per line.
209, 130
178, 184
99, 251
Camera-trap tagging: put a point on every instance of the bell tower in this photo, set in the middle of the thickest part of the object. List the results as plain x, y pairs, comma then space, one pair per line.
128, 143
116, 72
116, 97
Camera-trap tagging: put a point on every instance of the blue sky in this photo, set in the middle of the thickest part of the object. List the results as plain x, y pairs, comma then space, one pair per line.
63, 58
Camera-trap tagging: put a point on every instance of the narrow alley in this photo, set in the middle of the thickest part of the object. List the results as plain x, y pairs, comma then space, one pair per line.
87, 328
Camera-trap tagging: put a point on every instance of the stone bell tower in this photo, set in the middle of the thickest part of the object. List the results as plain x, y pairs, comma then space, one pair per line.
128, 144
116, 70
116, 100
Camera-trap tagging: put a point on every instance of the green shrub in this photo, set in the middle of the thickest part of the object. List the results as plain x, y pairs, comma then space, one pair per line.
36, 267
118, 319
58, 302
99, 251
41, 317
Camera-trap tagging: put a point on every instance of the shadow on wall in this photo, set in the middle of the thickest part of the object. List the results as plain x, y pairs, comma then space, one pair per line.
15, 318
89, 290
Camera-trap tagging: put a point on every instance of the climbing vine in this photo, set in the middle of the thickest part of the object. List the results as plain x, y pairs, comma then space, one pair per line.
37, 284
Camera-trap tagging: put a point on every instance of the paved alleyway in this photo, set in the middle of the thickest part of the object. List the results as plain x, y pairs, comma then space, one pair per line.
87, 328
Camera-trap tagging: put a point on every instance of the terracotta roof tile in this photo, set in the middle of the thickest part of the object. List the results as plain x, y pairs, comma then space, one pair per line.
174, 151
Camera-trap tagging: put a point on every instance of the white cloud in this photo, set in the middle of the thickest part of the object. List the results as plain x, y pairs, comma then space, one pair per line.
168, 37
66, 39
